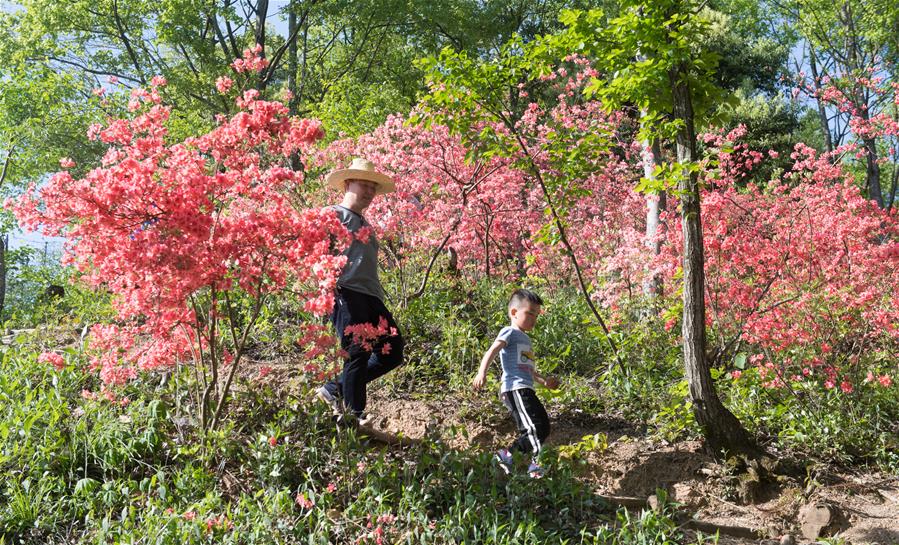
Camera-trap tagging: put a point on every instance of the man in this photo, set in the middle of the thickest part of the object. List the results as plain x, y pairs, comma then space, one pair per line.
360, 297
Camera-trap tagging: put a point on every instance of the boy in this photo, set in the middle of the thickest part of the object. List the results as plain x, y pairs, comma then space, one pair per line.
517, 382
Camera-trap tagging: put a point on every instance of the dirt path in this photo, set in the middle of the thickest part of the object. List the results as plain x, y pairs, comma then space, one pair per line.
864, 507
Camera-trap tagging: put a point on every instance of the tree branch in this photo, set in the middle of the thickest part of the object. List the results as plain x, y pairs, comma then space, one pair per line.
9, 154
124, 37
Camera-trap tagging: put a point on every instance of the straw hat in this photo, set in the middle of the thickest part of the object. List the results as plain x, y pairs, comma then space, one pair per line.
361, 169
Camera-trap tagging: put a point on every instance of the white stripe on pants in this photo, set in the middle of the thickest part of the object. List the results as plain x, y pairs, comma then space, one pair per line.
526, 420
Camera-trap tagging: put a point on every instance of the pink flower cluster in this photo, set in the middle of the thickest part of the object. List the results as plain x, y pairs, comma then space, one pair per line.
223, 84
162, 225
379, 530
252, 61
322, 354
54, 359
366, 335
305, 501
798, 267
439, 194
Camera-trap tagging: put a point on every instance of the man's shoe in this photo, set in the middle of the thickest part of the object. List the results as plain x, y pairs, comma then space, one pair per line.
504, 458
349, 420
326, 396
365, 419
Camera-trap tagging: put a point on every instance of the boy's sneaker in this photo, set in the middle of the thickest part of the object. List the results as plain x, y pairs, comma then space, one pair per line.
504, 457
326, 396
535, 471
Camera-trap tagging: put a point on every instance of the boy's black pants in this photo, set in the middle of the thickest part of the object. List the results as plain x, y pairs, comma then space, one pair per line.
363, 364
530, 418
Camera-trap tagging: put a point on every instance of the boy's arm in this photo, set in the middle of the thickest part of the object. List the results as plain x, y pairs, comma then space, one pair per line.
547, 381
481, 377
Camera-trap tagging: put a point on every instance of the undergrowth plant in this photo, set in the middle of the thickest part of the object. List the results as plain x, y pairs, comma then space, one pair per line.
78, 468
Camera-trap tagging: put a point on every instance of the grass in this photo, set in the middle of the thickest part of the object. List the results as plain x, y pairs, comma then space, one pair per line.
77, 470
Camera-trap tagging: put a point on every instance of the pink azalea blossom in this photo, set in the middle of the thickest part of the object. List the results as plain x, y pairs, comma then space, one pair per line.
304, 502
53, 359
223, 84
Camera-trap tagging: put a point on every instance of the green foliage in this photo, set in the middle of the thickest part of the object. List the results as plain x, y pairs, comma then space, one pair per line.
91, 471
649, 527
28, 303
598, 443
350, 108
829, 425
641, 49
749, 57
450, 327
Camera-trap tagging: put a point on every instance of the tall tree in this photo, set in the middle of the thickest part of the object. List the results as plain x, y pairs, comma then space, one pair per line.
662, 35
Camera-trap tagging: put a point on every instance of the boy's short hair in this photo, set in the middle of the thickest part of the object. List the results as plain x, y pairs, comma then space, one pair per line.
521, 295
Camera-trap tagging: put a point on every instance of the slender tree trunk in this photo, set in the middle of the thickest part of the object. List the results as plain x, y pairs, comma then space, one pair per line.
860, 100
822, 112
292, 58
4, 244
452, 265
722, 431
261, 16
893, 184
259, 32
872, 172
655, 204
295, 163
4, 240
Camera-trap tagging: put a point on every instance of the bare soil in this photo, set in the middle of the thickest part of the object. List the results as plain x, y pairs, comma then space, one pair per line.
865, 504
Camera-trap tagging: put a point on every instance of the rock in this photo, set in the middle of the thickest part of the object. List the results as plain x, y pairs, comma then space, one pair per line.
683, 493
814, 518
653, 502
787, 539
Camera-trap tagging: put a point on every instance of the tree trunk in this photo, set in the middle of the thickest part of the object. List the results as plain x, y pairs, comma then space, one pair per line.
259, 32
872, 173
893, 184
292, 58
822, 112
856, 65
295, 163
261, 16
4, 243
721, 429
655, 204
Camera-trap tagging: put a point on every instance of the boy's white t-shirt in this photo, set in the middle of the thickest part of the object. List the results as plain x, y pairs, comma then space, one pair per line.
517, 360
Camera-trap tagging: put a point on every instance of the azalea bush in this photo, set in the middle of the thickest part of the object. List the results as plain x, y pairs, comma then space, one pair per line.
863, 100
801, 273
799, 268
481, 212
192, 237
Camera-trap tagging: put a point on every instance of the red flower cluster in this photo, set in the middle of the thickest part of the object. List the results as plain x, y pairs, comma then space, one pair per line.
164, 225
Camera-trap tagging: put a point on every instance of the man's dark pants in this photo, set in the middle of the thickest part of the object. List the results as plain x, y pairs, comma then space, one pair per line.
363, 364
